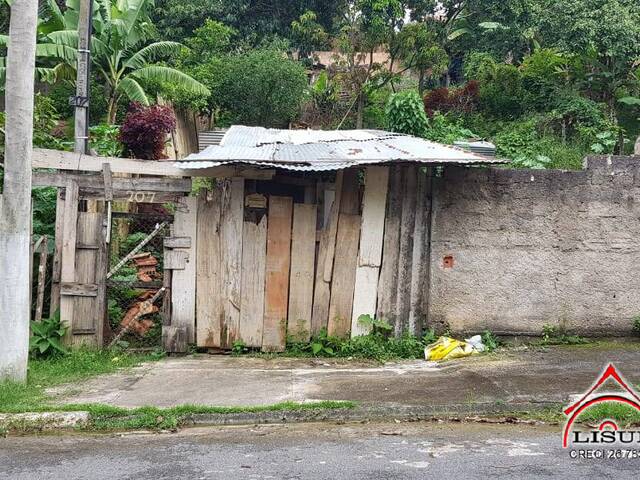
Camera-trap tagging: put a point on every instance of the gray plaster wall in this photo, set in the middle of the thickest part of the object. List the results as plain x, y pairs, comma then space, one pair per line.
512, 250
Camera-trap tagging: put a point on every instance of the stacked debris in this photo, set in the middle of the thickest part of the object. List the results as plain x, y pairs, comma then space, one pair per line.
146, 265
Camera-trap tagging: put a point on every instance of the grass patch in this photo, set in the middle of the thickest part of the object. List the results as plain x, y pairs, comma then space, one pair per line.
76, 366
624, 415
105, 418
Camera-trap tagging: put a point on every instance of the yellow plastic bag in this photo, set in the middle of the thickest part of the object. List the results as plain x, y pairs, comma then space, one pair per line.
446, 348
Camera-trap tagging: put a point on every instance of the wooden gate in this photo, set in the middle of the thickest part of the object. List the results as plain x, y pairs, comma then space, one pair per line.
82, 271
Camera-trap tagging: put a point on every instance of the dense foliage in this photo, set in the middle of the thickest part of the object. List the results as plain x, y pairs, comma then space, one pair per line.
548, 82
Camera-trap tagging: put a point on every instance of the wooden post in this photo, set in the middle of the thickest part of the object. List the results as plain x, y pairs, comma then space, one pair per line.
183, 281
42, 273
68, 260
174, 339
57, 254
81, 100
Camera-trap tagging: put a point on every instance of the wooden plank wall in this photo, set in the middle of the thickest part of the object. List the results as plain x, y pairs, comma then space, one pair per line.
403, 277
277, 274
263, 275
303, 251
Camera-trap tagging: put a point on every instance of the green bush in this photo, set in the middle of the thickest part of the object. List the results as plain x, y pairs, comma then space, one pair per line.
502, 93
46, 337
444, 129
405, 114
542, 78
636, 324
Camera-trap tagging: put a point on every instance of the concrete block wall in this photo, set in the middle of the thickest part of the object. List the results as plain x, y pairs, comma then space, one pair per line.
512, 250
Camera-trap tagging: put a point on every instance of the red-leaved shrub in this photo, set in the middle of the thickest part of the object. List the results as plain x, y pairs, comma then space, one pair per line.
144, 130
459, 100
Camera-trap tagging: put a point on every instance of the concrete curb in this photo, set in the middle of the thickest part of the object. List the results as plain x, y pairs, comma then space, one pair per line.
365, 413
43, 421
51, 421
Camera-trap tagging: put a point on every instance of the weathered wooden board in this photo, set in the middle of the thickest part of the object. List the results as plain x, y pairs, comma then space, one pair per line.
420, 254
254, 257
174, 339
231, 220
373, 213
388, 282
60, 160
322, 289
56, 264
42, 273
303, 252
68, 257
277, 274
332, 228
176, 242
97, 182
79, 289
407, 226
183, 282
209, 275
370, 253
176, 259
88, 289
350, 198
346, 261
365, 297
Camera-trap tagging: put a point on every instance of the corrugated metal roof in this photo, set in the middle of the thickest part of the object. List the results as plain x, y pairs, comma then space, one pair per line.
322, 150
211, 137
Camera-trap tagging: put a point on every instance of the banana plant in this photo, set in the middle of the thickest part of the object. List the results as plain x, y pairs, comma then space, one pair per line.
122, 50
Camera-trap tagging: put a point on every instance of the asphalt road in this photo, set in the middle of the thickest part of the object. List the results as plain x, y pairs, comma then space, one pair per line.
312, 451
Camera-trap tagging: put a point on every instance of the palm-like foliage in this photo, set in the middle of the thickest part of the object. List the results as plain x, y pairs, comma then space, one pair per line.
120, 50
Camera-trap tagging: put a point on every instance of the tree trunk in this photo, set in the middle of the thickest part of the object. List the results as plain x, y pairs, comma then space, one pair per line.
15, 217
637, 146
112, 109
360, 111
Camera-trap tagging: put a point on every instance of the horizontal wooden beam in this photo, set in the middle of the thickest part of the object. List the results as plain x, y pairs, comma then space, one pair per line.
134, 197
79, 289
95, 182
61, 160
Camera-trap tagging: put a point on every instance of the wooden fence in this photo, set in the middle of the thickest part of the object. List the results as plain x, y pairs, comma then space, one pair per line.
258, 270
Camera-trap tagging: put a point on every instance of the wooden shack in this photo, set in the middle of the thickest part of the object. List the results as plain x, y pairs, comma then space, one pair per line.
339, 229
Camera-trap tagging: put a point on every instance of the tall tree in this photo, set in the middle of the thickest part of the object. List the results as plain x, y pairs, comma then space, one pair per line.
15, 210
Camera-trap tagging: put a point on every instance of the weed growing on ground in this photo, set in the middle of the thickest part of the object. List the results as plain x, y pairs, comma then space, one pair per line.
552, 335
378, 345
490, 341
636, 324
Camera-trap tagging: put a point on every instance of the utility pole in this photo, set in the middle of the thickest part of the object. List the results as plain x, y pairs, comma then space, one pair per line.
81, 100
15, 202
